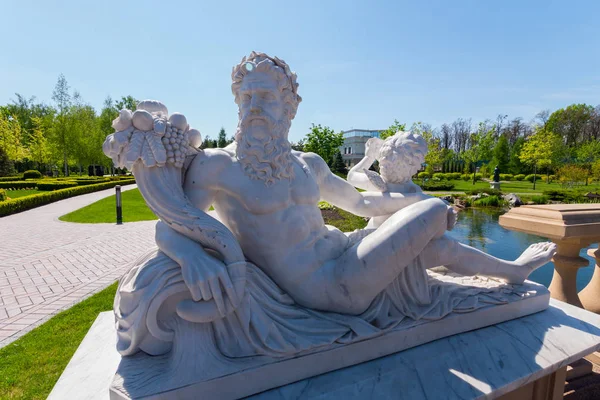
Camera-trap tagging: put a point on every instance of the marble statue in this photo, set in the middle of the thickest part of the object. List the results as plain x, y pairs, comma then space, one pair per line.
399, 157
263, 272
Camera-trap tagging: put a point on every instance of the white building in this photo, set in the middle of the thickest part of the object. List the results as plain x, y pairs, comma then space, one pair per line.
353, 149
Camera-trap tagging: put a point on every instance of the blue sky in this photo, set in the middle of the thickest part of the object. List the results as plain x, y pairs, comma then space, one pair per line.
359, 64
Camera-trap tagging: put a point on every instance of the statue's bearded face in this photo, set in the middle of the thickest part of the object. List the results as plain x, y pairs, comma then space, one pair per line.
263, 127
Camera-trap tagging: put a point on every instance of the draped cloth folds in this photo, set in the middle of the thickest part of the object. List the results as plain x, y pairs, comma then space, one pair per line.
269, 322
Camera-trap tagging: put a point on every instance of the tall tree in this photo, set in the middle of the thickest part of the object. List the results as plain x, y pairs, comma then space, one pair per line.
126, 102
480, 146
222, 139
338, 164
515, 165
38, 144
10, 137
323, 141
392, 130
541, 150
570, 122
501, 154
62, 98
298, 146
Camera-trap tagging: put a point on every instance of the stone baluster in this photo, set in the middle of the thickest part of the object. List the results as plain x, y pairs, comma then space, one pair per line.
572, 227
590, 295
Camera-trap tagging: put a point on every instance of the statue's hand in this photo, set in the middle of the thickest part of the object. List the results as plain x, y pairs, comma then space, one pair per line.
208, 278
372, 147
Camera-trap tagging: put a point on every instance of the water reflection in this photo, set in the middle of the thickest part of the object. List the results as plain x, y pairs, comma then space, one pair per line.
480, 228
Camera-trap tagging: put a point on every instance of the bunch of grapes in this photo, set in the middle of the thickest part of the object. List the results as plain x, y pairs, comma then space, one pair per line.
175, 143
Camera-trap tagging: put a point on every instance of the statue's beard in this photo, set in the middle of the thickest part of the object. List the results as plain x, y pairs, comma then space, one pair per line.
263, 148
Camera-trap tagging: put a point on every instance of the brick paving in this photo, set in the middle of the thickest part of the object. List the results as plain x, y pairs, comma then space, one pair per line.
47, 265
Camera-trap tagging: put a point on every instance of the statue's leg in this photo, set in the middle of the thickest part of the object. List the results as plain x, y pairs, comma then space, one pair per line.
466, 260
349, 283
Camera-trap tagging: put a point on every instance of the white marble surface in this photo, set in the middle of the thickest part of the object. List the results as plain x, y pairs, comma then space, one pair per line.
483, 363
92, 368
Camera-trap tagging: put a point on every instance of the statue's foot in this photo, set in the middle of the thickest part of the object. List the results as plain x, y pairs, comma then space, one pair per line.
532, 258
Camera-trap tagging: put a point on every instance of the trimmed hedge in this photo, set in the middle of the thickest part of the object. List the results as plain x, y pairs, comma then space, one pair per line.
2, 194
28, 202
519, 177
433, 185
18, 185
83, 182
423, 175
506, 177
32, 174
10, 178
56, 185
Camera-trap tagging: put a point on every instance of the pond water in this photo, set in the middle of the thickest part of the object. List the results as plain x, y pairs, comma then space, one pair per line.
480, 228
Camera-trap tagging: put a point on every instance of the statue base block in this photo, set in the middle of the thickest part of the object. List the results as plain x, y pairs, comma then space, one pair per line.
487, 362
495, 185
195, 369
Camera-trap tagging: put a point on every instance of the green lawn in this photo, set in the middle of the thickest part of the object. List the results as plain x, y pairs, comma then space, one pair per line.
30, 366
517, 186
104, 211
13, 194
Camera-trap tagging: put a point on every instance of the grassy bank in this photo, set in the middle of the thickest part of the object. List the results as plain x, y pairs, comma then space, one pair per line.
30, 366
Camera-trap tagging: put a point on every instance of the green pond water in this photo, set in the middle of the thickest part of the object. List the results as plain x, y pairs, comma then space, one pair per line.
480, 228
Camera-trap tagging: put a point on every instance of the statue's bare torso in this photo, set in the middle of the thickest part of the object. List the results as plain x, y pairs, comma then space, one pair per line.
279, 227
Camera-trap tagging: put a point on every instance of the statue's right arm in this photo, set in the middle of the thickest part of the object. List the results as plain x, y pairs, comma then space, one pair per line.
358, 178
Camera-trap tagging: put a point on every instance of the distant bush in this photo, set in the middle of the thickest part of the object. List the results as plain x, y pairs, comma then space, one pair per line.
17, 205
83, 182
18, 185
440, 176
570, 175
531, 176
11, 178
56, 185
506, 177
465, 177
2, 194
432, 185
453, 175
540, 199
519, 177
424, 175
490, 201
32, 174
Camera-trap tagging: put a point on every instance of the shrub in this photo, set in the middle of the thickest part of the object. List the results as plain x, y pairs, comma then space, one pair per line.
18, 185
454, 175
56, 185
519, 177
465, 177
32, 174
572, 175
540, 199
2, 194
440, 176
11, 178
28, 202
83, 182
424, 175
506, 177
432, 185
531, 176
489, 201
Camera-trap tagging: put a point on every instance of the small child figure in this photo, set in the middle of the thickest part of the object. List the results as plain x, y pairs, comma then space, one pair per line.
399, 157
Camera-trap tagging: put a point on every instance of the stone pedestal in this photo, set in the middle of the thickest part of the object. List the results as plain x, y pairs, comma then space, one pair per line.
572, 227
519, 359
495, 185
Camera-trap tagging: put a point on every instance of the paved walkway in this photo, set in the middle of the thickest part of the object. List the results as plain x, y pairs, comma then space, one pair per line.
47, 265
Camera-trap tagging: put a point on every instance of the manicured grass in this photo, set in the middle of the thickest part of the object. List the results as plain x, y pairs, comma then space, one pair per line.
104, 211
13, 194
30, 366
517, 186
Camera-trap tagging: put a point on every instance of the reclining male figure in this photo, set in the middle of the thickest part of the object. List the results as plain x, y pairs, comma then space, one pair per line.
267, 195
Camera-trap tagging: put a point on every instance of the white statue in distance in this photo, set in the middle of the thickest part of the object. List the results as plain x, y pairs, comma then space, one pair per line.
269, 276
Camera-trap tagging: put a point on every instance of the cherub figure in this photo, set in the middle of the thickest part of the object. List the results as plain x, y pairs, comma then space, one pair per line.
399, 157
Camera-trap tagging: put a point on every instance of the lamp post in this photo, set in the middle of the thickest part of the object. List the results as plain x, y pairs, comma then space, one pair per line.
119, 205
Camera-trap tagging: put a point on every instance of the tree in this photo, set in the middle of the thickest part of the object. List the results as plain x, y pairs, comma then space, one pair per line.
541, 150
587, 154
515, 165
501, 154
323, 141
6, 166
435, 153
38, 144
392, 130
222, 141
480, 146
62, 98
338, 164
570, 122
299, 146
126, 102
10, 137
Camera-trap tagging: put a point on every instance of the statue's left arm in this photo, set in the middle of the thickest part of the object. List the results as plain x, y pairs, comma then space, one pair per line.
342, 194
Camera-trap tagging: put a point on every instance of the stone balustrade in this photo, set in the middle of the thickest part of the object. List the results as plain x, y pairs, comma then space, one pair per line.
572, 227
